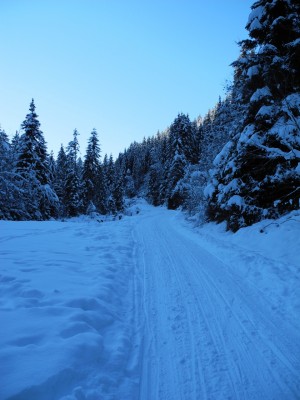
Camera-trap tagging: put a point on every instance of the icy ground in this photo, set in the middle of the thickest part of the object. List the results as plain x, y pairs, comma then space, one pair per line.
150, 308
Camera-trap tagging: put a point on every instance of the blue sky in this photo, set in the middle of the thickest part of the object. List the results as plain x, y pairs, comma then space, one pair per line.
124, 67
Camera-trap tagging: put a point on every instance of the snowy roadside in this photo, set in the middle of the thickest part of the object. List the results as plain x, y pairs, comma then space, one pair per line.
65, 306
265, 255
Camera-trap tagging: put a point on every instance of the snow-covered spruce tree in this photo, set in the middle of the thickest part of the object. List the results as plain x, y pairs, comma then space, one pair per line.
153, 185
191, 191
59, 182
182, 130
73, 188
132, 165
129, 188
162, 161
180, 154
211, 135
15, 148
116, 196
216, 128
7, 191
52, 167
12, 196
93, 180
138, 162
5, 148
33, 169
156, 170
108, 172
257, 173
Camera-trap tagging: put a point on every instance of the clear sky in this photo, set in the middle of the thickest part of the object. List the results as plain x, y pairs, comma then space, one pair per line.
124, 67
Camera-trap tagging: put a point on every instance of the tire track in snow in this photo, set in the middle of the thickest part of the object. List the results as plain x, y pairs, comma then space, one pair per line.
269, 347
210, 343
250, 333
255, 322
176, 319
206, 340
228, 351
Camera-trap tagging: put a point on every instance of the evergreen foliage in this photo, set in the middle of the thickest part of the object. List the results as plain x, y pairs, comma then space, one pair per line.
257, 173
93, 180
73, 189
32, 171
59, 181
7, 188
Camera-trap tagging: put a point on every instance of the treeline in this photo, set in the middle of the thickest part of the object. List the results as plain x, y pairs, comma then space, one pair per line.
172, 168
35, 186
239, 164
165, 169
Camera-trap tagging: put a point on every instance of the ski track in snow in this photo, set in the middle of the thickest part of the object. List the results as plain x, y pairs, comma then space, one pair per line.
143, 308
209, 334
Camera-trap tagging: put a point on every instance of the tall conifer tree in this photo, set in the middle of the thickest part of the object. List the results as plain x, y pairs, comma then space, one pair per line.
257, 173
73, 189
33, 168
94, 190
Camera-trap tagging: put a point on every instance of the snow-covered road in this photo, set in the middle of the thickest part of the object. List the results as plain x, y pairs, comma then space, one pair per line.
148, 308
209, 334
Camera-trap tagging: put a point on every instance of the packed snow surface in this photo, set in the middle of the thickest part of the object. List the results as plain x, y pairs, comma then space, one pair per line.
148, 307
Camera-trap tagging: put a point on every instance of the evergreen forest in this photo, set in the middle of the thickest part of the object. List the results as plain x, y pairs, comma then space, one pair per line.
240, 163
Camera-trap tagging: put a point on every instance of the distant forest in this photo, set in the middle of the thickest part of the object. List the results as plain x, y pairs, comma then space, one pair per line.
240, 163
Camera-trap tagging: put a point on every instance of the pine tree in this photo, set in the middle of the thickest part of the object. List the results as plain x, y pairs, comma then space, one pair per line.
257, 173
129, 187
117, 195
5, 176
179, 154
33, 169
73, 189
93, 180
33, 152
155, 172
12, 196
59, 182
52, 167
15, 148
110, 171
115, 173
153, 186
5, 151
